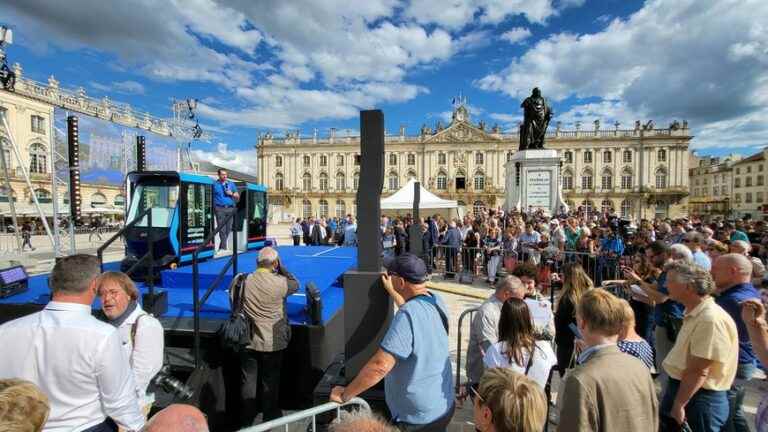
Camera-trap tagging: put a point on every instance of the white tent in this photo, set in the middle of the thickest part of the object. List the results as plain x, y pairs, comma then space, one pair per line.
402, 202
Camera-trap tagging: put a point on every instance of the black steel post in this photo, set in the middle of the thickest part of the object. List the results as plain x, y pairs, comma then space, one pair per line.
196, 308
234, 247
151, 263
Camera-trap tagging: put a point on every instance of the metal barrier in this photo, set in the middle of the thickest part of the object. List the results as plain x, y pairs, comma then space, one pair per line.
474, 261
471, 312
313, 412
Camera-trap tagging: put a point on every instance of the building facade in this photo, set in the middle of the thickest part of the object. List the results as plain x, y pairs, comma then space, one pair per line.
750, 190
640, 172
711, 181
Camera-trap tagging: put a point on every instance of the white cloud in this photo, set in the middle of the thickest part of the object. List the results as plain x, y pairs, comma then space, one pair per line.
243, 160
704, 61
123, 87
516, 34
456, 14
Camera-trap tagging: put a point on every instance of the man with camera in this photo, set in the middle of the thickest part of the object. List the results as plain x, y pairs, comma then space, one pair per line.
264, 295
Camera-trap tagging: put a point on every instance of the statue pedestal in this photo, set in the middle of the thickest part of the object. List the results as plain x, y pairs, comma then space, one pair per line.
533, 180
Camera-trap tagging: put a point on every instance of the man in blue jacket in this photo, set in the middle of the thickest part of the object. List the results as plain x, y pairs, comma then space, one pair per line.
732, 274
225, 198
451, 242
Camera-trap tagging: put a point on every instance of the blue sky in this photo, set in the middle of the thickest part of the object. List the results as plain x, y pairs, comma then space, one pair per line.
276, 65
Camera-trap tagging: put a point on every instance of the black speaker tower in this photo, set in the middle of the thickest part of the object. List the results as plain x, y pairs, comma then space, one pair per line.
73, 144
141, 153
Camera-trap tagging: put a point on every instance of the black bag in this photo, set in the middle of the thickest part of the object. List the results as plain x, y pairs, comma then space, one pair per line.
235, 333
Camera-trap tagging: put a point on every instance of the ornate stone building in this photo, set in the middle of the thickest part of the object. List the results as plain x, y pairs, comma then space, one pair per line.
750, 189
711, 185
639, 172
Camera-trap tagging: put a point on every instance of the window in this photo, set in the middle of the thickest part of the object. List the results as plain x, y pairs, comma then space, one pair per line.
748, 197
323, 208
760, 180
306, 209
588, 156
341, 182
393, 181
323, 160
306, 182
279, 185
715, 189
738, 170
6, 153
442, 181
119, 201
339, 160
37, 159
38, 124
43, 196
441, 158
479, 158
749, 169
307, 161
661, 155
356, 180
509, 156
662, 209
478, 208
760, 168
568, 156
627, 156
626, 179
357, 159
607, 156
278, 161
661, 179
98, 200
759, 197
737, 182
341, 209
323, 182
737, 198
479, 181
411, 175
626, 209
567, 181
4, 194
393, 159
748, 182
724, 190
606, 206
607, 180
586, 180
461, 181
411, 159
587, 207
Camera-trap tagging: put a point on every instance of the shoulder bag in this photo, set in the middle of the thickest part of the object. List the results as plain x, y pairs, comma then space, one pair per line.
235, 333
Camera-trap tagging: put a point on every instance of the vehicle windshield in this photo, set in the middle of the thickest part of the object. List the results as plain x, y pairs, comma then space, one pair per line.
162, 199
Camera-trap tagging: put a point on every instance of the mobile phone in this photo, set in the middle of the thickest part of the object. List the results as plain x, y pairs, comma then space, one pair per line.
575, 330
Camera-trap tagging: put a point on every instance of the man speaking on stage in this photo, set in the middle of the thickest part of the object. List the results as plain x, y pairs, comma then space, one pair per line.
225, 198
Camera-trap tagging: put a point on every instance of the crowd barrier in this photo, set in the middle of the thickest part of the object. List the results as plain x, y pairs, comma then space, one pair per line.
298, 417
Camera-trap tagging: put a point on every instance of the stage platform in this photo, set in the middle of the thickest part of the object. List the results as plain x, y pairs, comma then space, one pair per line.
323, 265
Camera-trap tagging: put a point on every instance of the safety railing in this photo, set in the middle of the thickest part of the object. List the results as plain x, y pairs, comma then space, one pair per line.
197, 302
469, 312
148, 257
286, 421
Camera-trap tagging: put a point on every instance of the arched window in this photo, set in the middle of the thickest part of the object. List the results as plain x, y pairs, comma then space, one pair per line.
393, 181
626, 179
607, 179
607, 156
411, 175
43, 196
356, 180
479, 181
587, 156
627, 158
279, 181
661, 178
392, 159
626, 208
411, 159
306, 209
306, 182
119, 201
442, 181
341, 182
478, 208
661, 156
461, 180
323, 181
341, 209
37, 159
98, 200
323, 160
568, 156
278, 161
323, 208
567, 180
441, 158
606, 206
307, 161
479, 158
586, 179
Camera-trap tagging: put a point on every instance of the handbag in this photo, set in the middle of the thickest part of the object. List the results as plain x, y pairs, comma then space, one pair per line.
235, 333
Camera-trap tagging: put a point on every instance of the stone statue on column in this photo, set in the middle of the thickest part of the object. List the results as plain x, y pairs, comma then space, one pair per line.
536, 117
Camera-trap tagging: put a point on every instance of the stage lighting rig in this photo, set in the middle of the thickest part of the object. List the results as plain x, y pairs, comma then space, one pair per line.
7, 76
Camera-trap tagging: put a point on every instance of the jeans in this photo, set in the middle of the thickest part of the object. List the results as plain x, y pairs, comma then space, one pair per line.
296, 240
439, 425
707, 411
221, 214
736, 420
260, 382
663, 347
493, 266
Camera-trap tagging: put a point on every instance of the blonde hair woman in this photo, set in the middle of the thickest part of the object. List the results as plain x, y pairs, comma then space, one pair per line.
509, 401
23, 406
576, 283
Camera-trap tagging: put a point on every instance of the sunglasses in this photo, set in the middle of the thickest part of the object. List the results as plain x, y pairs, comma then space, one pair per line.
476, 394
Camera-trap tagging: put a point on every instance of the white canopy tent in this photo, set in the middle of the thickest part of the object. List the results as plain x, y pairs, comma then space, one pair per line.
401, 202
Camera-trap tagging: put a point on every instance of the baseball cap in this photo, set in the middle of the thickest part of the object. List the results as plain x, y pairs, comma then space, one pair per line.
407, 266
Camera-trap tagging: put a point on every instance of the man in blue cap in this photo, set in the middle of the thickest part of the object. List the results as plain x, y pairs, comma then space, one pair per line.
413, 357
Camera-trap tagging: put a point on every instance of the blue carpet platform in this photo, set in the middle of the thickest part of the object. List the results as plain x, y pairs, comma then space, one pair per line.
322, 265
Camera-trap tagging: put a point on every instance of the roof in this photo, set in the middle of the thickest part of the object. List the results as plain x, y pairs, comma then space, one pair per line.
403, 199
754, 158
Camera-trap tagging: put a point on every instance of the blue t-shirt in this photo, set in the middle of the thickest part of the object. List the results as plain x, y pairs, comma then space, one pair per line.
670, 306
702, 260
221, 200
731, 301
419, 389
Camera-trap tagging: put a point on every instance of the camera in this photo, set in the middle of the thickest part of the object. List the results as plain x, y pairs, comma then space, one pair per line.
171, 385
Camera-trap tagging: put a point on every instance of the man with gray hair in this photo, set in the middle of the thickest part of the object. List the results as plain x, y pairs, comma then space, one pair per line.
702, 363
484, 329
732, 274
694, 241
758, 269
75, 359
264, 296
360, 421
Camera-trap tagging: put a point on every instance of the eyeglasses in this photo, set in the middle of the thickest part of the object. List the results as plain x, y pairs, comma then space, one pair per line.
475, 393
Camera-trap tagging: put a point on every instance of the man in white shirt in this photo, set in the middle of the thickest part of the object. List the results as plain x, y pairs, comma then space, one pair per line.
75, 359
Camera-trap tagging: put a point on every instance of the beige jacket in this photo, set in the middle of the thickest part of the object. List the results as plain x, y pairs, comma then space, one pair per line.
610, 392
264, 304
